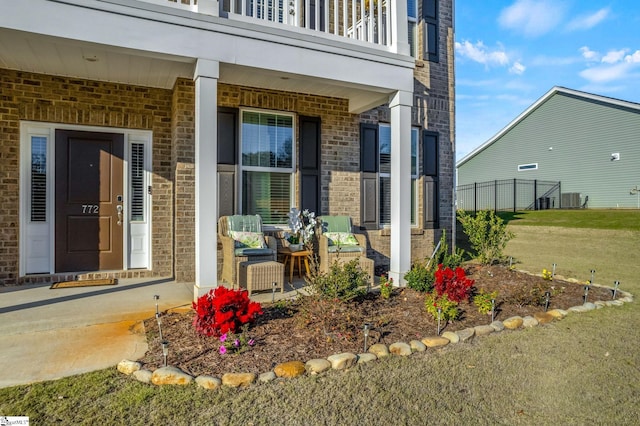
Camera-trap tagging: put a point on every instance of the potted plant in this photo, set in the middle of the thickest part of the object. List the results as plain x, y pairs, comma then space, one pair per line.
303, 229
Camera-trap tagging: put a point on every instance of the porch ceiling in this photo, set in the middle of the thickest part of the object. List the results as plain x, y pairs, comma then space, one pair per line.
42, 54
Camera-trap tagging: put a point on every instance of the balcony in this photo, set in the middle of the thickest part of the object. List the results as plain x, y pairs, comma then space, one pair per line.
356, 20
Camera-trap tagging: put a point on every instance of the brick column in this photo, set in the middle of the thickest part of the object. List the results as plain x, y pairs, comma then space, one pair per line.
206, 177
400, 104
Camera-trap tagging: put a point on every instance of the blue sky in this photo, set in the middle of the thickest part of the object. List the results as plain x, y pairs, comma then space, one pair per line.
510, 53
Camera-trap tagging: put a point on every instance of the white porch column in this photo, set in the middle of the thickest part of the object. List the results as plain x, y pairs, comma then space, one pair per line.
206, 175
400, 104
400, 27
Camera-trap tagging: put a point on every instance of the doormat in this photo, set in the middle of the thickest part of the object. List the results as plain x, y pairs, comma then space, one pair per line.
84, 283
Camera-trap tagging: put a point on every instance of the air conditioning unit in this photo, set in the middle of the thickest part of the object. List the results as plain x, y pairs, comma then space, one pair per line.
571, 200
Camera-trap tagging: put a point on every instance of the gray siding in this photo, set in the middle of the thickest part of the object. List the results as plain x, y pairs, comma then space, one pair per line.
571, 139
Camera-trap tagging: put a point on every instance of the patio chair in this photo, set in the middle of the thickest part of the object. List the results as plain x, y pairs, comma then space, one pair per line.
243, 241
337, 242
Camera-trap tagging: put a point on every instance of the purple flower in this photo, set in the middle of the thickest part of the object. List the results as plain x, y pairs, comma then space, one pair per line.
251, 342
223, 350
223, 338
236, 343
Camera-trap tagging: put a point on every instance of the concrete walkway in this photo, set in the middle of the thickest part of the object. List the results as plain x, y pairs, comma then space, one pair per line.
47, 334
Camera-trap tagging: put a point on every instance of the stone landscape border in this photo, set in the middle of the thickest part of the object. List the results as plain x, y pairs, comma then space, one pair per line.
174, 376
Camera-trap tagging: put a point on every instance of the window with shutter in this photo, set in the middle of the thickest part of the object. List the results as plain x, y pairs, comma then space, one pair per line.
430, 18
384, 175
267, 164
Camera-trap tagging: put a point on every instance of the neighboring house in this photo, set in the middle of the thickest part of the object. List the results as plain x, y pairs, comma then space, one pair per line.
128, 127
588, 143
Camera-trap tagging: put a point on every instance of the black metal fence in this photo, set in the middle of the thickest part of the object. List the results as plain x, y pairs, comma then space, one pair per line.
509, 194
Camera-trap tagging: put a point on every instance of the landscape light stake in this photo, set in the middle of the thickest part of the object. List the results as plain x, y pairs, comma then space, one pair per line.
553, 271
547, 296
493, 309
586, 293
165, 351
366, 335
273, 292
156, 297
439, 312
615, 288
510, 261
593, 271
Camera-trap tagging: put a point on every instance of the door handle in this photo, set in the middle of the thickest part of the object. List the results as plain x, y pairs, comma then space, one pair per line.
119, 210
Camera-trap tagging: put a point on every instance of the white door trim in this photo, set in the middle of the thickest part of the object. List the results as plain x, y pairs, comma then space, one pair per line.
37, 239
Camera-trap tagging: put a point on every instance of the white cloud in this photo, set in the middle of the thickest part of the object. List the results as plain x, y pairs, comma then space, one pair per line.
533, 18
517, 68
478, 52
614, 56
585, 22
634, 58
605, 73
589, 54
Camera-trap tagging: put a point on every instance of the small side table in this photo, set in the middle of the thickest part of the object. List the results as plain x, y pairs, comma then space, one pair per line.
290, 257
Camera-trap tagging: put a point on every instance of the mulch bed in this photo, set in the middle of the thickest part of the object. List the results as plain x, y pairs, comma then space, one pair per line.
306, 329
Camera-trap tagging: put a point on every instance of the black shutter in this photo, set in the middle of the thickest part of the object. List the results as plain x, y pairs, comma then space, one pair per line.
227, 135
369, 152
430, 180
429, 153
310, 164
431, 27
227, 158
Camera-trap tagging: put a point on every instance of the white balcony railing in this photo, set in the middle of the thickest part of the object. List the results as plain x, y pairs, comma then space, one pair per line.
355, 19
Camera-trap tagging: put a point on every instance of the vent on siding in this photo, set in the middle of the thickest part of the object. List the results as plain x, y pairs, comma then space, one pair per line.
137, 182
38, 179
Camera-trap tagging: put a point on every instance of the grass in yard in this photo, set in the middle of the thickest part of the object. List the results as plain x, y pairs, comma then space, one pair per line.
584, 369
593, 219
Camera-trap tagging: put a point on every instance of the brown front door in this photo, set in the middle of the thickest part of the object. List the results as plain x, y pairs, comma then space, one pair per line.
89, 201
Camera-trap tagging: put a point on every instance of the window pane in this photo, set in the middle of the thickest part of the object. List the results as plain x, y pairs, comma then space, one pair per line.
413, 201
267, 140
414, 152
384, 135
137, 182
412, 11
385, 200
267, 194
411, 27
38, 179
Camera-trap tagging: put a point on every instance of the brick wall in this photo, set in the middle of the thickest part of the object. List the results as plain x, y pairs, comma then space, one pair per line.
44, 98
183, 155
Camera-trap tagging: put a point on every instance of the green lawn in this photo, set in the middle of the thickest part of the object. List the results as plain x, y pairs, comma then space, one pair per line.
593, 219
584, 369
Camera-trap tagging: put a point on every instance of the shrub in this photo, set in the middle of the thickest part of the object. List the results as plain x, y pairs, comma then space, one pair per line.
448, 308
223, 310
345, 281
419, 277
483, 301
443, 256
454, 284
487, 234
386, 287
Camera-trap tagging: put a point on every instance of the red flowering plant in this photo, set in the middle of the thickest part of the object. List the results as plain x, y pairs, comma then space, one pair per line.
223, 310
454, 284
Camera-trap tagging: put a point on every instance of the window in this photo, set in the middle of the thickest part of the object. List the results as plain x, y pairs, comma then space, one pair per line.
430, 17
384, 146
525, 167
266, 164
412, 13
38, 179
136, 177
